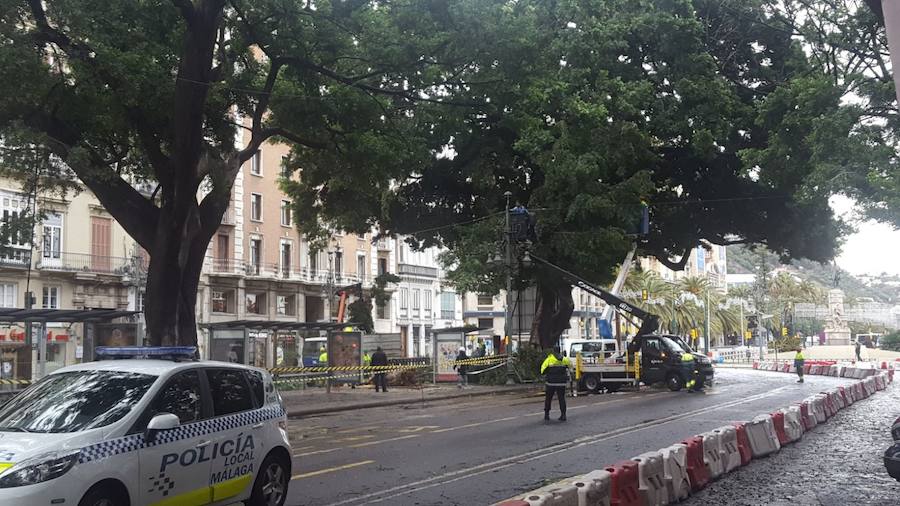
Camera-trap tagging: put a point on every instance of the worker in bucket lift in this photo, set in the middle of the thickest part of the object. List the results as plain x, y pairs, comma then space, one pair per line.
556, 369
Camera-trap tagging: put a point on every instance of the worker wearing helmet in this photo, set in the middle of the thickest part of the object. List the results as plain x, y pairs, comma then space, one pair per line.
323, 356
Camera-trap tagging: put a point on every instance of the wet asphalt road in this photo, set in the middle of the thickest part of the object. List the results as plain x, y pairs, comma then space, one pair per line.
835, 464
490, 448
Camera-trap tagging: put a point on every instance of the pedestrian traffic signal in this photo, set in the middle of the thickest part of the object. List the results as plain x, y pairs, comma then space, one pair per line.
784, 331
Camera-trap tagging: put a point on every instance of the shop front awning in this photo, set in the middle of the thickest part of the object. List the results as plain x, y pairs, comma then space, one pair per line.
275, 325
16, 315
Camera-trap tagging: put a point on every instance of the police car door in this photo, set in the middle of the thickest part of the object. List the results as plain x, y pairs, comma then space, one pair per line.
175, 463
239, 444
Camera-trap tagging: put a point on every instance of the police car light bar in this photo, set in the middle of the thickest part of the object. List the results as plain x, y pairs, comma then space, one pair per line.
160, 352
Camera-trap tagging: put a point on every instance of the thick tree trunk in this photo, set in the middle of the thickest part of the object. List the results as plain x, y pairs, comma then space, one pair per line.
176, 261
554, 310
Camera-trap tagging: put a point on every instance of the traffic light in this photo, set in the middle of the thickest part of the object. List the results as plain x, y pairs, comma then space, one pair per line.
784, 331
645, 295
748, 335
752, 322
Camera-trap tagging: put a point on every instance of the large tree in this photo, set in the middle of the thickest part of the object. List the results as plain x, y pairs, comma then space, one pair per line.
122, 91
710, 111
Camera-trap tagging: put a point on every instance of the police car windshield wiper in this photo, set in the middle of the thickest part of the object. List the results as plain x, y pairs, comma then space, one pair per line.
11, 428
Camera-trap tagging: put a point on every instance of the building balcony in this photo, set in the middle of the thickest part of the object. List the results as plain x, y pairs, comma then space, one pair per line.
15, 259
84, 263
417, 270
229, 218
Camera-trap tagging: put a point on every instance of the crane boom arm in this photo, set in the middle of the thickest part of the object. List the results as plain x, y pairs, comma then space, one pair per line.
649, 321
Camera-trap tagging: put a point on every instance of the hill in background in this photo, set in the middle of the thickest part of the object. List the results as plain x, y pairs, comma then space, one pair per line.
883, 288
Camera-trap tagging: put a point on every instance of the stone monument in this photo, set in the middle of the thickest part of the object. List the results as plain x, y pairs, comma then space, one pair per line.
837, 332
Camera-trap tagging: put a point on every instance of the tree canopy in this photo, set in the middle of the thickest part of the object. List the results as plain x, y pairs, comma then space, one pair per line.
709, 111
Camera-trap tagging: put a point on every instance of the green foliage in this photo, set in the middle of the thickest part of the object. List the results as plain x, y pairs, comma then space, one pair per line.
890, 342
360, 313
786, 344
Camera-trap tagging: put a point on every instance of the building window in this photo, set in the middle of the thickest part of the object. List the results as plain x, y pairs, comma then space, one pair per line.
416, 302
139, 301
50, 298
404, 301
448, 305
256, 163
52, 236
222, 301
486, 323
338, 263
256, 303
426, 304
382, 266
285, 167
286, 213
286, 254
255, 256
8, 293
313, 261
18, 250
256, 207
485, 300
286, 305
383, 312
361, 266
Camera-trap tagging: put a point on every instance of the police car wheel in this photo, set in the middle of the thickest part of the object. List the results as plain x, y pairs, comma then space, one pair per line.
271, 486
103, 496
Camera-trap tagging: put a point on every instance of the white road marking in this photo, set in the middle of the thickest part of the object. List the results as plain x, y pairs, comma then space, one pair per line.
540, 453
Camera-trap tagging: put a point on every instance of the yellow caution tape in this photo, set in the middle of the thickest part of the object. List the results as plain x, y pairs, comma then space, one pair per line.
480, 360
14, 382
348, 368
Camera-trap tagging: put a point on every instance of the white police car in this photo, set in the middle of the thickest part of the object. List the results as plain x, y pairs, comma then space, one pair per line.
146, 431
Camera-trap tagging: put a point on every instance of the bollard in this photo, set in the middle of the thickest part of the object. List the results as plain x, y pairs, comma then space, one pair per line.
678, 484
728, 443
712, 454
793, 424
743, 443
651, 478
593, 488
763, 440
624, 484
778, 423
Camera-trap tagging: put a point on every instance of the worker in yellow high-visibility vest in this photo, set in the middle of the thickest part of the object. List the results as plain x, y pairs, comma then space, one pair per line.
556, 368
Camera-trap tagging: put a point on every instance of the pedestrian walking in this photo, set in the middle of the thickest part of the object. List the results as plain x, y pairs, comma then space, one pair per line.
461, 369
556, 371
379, 359
858, 349
798, 364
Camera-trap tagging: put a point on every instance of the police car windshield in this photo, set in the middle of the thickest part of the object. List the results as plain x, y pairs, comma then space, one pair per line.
74, 401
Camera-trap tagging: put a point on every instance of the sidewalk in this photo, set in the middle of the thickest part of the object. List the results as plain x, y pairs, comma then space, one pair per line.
315, 401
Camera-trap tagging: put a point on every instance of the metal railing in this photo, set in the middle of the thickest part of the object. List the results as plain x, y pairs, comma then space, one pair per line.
80, 262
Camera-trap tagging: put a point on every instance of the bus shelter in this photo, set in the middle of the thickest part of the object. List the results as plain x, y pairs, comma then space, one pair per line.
447, 342
29, 349
268, 344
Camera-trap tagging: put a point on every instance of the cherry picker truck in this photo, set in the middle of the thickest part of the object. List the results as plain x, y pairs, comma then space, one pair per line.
649, 358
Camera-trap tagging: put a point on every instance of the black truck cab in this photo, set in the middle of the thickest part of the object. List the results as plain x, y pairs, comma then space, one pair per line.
663, 361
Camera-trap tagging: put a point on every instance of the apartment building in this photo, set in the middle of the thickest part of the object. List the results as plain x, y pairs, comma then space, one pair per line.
78, 258
710, 262
259, 267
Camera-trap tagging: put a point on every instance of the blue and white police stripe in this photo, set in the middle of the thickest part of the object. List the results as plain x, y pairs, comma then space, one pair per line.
134, 442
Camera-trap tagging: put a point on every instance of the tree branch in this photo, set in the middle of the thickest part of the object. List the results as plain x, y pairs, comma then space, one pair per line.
675, 266
187, 10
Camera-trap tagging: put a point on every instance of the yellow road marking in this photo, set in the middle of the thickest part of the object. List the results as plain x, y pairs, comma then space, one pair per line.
372, 443
317, 452
331, 470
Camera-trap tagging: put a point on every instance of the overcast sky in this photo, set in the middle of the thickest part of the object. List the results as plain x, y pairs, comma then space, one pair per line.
873, 249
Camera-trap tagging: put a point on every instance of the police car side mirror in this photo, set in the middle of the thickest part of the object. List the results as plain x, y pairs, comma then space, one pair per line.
161, 421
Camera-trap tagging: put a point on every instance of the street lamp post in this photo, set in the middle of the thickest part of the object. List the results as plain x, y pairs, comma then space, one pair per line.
507, 320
